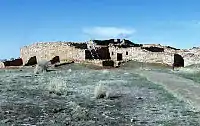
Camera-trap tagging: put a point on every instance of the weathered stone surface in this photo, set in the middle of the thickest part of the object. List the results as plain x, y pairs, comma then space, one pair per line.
190, 56
93, 51
2, 65
154, 49
47, 51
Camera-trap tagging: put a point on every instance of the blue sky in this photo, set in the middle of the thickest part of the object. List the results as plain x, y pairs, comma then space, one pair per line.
169, 22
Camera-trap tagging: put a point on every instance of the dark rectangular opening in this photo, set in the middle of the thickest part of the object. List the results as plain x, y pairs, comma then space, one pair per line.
119, 56
103, 53
126, 52
31, 61
54, 60
112, 53
178, 61
88, 54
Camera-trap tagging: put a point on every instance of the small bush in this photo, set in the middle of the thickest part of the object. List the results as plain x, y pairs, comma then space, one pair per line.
100, 91
41, 67
57, 86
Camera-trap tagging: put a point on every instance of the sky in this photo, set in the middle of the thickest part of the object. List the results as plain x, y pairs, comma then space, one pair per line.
169, 22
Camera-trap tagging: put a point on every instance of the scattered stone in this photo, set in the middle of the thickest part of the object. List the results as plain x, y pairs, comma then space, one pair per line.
57, 93
57, 110
134, 120
6, 120
62, 64
139, 98
69, 70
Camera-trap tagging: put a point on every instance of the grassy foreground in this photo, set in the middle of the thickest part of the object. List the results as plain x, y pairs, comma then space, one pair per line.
66, 97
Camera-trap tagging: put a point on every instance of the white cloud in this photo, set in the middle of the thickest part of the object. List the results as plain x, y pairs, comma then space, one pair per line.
109, 32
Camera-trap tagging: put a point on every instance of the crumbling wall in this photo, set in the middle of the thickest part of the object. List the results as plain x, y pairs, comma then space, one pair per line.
154, 49
88, 54
47, 51
138, 54
169, 47
78, 53
15, 62
131, 52
103, 53
190, 57
2, 65
79, 45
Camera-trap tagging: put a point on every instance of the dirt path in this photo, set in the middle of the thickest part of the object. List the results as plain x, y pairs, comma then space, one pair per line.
184, 89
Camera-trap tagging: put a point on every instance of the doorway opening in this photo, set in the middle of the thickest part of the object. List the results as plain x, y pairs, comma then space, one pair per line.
56, 59
119, 56
31, 61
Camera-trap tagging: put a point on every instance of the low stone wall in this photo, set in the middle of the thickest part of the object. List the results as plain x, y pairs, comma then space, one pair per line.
95, 62
15, 62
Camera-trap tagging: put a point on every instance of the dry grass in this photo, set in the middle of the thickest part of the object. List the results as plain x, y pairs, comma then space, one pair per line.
57, 86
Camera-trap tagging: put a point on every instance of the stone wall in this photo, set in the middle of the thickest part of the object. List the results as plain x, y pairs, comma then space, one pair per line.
76, 52
47, 51
95, 62
15, 62
191, 56
142, 55
2, 65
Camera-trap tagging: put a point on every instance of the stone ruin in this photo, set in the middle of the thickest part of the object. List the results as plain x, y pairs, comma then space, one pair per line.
105, 52
14, 62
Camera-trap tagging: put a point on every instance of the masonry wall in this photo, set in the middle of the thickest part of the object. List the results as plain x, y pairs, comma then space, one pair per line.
142, 55
191, 56
66, 51
47, 51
